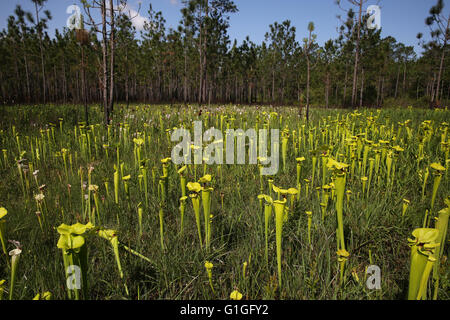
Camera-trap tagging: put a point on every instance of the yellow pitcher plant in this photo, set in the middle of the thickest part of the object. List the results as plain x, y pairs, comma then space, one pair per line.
72, 243
423, 247
3, 213
339, 170
195, 188
279, 207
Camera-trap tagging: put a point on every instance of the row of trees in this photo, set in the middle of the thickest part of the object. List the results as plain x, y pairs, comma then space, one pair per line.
197, 62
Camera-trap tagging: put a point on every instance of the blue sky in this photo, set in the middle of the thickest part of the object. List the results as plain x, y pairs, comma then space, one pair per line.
402, 19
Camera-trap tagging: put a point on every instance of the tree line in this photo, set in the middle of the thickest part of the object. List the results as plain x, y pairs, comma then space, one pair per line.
108, 60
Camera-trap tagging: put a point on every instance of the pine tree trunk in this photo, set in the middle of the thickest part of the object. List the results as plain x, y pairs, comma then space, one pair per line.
185, 76
111, 57
362, 88
345, 84
127, 89
356, 55
273, 84
327, 90
378, 90
396, 83
200, 47
432, 88
55, 81
404, 79
442, 61
205, 51
41, 52
83, 85
27, 74
307, 88
417, 91
64, 81
105, 66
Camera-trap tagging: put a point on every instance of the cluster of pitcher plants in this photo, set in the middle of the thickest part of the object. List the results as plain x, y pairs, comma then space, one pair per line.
118, 183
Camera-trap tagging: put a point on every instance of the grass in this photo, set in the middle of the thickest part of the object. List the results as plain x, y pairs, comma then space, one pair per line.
178, 272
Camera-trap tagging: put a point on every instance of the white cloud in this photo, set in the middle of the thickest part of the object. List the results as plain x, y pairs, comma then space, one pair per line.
174, 2
137, 19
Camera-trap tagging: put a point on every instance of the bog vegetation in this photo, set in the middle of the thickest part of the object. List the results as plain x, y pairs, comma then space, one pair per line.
354, 189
